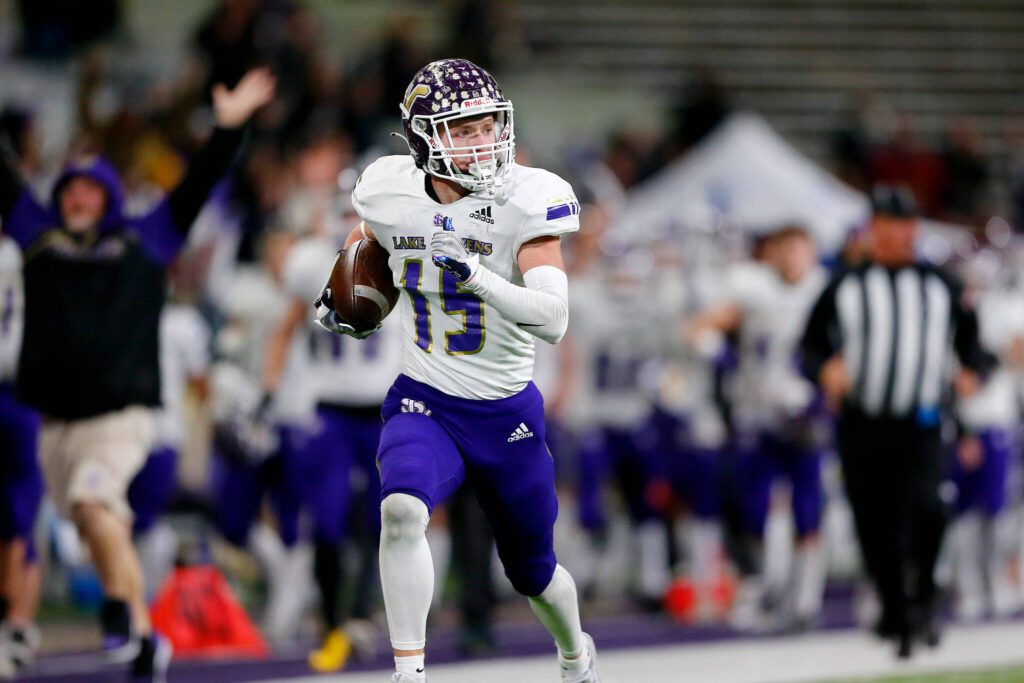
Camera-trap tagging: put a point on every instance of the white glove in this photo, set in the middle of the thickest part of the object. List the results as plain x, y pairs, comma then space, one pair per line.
447, 251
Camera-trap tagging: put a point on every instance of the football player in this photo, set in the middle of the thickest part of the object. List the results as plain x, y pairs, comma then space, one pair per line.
983, 455
774, 407
21, 482
610, 412
473, 240
256, 433
349, 380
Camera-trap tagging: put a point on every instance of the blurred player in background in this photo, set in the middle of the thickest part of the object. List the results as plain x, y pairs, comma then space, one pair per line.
256, 431
611, 413
336, 463
21, 482
693, 436
474, 240
94, 288
774, 410
983, 531
184, 363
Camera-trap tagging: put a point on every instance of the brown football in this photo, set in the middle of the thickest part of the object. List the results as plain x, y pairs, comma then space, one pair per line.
362, 286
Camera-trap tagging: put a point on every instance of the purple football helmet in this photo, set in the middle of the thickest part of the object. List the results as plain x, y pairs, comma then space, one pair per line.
445, 91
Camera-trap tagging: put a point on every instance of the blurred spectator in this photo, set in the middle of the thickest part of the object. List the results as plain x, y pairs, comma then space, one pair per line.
907, 160
18, 127
966, 173
53, 29
227, 40
702, 106
475, 28
1014, 136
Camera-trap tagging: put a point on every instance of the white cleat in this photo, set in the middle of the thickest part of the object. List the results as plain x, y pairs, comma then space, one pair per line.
399, 677
588, 676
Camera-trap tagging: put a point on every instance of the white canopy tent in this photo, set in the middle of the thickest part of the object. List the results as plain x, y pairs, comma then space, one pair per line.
746, 175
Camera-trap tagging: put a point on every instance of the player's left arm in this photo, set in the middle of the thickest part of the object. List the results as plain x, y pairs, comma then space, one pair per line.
541, 307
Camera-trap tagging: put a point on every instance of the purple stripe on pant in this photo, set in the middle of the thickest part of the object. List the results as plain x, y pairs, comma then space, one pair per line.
433, 442
21, 480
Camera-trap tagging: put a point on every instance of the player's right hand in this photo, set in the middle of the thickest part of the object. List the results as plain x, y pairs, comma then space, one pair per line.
328, 320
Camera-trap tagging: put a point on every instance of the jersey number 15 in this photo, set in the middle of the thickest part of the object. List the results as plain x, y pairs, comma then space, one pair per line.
455, 302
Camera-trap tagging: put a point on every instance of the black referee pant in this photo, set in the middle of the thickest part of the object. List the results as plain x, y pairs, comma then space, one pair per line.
893, 469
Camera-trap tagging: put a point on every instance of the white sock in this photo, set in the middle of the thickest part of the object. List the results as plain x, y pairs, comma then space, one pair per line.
412, 665
653, 560
808, 579
970, 578
406, 570
703, 540
778, 551
558, 610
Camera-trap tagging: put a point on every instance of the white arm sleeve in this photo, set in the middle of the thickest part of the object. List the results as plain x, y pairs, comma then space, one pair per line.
541, 307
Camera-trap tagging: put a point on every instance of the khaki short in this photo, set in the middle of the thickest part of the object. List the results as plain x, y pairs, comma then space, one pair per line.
95, 459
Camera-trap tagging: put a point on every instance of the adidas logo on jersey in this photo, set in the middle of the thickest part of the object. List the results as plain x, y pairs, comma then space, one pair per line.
483, 214
522, 432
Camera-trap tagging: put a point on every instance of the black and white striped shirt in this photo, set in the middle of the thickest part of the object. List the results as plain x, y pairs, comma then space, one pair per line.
897, 330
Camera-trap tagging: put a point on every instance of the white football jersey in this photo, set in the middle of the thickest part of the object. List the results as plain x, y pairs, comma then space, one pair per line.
769, 386
1000, 318
343, 370
12, 308
184, 354
451, 340
610, 355
256, 303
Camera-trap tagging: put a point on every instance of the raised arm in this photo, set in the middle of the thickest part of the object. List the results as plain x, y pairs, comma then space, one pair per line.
165, 229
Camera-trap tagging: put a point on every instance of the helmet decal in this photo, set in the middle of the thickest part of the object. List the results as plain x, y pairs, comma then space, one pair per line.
414, 93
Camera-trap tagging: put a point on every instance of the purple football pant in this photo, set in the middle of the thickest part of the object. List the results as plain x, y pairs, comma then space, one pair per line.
631, 457
693, 471
153, 487
694, 476
239, 487
984, 489
757, 470
433, 442
321, 468
21, 480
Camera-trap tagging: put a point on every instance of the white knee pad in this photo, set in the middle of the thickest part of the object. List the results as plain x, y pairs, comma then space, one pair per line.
403, 518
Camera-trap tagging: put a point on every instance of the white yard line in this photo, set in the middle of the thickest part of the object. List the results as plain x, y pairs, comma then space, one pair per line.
815, 657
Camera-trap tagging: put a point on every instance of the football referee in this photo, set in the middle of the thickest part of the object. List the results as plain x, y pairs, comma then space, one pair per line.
881, 342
